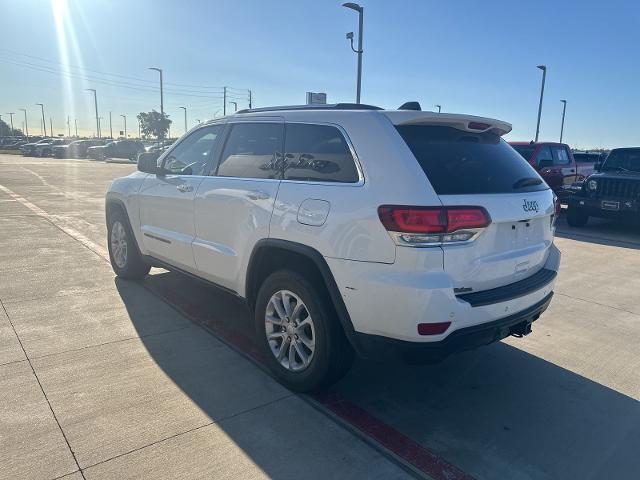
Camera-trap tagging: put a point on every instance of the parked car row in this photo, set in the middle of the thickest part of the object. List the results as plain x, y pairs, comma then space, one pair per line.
96, 149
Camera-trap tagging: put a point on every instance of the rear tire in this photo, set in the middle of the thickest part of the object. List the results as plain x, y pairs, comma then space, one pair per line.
304, 330
576, 217
126, 260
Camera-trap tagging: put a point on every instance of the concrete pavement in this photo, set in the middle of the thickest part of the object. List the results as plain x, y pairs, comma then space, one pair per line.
140, 391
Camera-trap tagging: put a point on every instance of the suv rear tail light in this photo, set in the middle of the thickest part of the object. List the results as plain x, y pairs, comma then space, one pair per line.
556, 211
428, 226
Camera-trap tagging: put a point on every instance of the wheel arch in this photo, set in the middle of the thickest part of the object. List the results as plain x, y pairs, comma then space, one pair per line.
113, 204
272, 254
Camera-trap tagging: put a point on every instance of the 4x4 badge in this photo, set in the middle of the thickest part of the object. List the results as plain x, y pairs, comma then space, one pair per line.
530, 206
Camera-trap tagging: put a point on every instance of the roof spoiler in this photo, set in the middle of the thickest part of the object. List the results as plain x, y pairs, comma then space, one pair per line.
467, 123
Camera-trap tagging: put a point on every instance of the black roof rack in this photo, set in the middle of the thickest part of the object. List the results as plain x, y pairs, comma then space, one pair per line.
334, 106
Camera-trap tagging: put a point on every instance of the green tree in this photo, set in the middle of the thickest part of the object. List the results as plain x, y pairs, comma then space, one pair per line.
154, 124
5, 130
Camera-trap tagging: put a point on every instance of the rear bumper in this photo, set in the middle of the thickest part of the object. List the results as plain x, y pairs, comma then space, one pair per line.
377, 347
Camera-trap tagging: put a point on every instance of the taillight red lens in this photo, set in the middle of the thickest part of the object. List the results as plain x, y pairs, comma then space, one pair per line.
405, 219
433, 328
412, 219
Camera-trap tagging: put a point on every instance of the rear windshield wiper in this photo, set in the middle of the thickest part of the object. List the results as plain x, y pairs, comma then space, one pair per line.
527, 182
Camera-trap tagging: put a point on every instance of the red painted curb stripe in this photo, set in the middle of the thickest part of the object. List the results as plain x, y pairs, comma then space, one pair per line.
384, 434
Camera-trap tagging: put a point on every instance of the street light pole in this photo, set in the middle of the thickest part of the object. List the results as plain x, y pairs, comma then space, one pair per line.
159, 70
11, 114
110, 126
76, 124
68, 127
125, 125
26, 126
95, 101
224, 102
564, 109
51, 126
185, 118
360, 10
544, 77
235, 106
439, 108
44, 123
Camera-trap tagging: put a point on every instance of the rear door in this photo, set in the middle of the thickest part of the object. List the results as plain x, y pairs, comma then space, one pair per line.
167, 201
565, 164
481, 170
233, 207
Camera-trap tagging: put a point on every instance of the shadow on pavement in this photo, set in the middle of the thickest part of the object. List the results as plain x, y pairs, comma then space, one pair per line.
496, 412
602, 232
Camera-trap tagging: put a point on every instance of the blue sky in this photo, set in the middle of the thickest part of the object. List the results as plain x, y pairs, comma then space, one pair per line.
469, 56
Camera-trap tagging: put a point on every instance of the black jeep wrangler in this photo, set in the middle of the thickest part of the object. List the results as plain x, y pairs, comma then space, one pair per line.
612, 192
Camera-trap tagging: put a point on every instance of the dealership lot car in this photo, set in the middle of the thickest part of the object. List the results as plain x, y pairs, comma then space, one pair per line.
391, 233
613, 192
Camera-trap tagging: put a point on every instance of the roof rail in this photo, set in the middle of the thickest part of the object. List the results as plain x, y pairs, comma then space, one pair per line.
334, 106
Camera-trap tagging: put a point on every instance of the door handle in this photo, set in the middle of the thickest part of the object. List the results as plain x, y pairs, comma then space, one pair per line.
257, 195
185, 187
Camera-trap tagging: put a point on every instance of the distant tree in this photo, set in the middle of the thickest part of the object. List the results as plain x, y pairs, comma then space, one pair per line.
5, 130
154, 124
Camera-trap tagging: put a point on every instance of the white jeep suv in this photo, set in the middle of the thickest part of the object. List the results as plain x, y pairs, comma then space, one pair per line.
391, 233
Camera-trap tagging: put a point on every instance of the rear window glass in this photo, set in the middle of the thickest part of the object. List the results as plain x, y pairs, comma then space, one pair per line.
458, 162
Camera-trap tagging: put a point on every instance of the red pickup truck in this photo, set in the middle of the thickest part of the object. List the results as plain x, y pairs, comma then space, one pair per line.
555, 164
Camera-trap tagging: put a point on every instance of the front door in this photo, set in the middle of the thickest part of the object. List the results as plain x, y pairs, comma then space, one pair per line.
233, 207
167, 200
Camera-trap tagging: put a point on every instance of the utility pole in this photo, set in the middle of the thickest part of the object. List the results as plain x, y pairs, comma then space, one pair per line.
125, 125
544, 77
11, 114
26, 125
44, 123
159, 70
95, 101
564, 109
110, 126
250, 100
185, 118
224, 101
360, 10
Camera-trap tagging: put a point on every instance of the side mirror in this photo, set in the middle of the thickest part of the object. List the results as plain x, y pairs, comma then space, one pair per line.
545, 164
148, 162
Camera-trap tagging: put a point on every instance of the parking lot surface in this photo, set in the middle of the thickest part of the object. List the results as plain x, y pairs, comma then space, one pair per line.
103, 378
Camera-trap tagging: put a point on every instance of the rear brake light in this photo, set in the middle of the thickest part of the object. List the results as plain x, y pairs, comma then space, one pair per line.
433, 328
423, 226
478, 126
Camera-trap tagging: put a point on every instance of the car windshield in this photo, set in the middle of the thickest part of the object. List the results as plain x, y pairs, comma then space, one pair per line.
623, 159
525, 150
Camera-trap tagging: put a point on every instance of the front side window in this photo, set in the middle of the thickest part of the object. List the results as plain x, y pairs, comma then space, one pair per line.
318, 153
191, 156
253, 150
560, 156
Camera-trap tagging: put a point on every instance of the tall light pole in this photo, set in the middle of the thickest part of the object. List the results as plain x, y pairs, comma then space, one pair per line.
544, 77
439, 107
26, 126
224, 102
11, 114
110, 126
159, 70
564, 109
95, 101
235, 106
44, 123
125, 125
76, 124
185, 118
68, 127
360, 10
51, 126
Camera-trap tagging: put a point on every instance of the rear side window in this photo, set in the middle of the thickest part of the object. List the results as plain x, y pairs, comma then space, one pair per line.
252, 150
318, 153
525, 150
458, 162
560, 156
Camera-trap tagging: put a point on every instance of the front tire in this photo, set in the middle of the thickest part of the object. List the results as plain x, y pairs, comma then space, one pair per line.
126, 260
302, 339
576, 217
